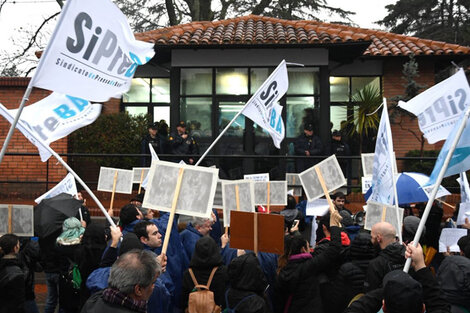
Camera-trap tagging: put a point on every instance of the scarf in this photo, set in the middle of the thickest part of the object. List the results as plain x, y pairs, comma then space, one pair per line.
72, 229
114, 296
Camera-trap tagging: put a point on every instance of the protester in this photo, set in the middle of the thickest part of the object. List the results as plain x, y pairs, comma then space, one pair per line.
128, 217
183, 144
297, 287
12, 282
307, 144
29, 257
150, 138
291, 214
198, 228
148, 234
454, 279
410, 226
83, 214
130, 285
206, 258
391, 255
247, 285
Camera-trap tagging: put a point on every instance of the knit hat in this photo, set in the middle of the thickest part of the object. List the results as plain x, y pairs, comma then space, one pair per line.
410, 226
402, 293
72, 229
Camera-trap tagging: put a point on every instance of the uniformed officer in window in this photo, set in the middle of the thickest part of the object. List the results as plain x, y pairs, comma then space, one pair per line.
154, 140
307, 144
183, 143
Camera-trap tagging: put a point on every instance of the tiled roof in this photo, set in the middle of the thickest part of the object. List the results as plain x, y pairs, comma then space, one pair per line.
260, 30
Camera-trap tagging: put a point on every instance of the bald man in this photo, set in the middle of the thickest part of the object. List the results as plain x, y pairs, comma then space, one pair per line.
391, 256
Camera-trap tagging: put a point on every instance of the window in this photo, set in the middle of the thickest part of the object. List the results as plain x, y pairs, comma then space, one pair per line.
196, 81
196, 112
231, 81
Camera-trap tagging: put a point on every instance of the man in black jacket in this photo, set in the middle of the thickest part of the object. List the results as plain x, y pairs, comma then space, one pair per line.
307, 144
182, 143
391, 256
154, 140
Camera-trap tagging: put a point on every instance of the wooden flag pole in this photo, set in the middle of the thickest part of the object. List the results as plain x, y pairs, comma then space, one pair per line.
10, 218
325, 191
237, 197
255, 233
269, 198
384, 213
169, 226
113, 192
141, 180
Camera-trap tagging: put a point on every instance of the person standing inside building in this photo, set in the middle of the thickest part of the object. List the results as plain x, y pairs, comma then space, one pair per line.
307, 144
154, 140
183, 144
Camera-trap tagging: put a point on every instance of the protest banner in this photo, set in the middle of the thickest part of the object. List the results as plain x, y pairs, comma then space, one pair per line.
464, 212
293, 179
53, 118
464, 188
66, 185
115, 180
17, 219
438, 108
449, 238
218, 200
237, 195
380, 212
270, 193
249, 231
367, 162
317, 207
366, 183
263, 107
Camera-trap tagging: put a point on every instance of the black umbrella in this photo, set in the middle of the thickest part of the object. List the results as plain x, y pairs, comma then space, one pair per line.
50, 213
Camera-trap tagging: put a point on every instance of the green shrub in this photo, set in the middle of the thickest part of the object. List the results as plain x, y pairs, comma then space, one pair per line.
118, 133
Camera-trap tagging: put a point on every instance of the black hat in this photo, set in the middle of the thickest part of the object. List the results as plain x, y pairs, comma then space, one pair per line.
139, 197
153, 125
308, 126
181, 124
130, 242
336, 133
402, 293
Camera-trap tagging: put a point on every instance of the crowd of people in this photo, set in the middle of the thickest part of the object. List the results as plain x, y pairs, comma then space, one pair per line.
329, 265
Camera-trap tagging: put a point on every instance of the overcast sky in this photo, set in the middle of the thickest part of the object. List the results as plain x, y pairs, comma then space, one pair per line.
18, 15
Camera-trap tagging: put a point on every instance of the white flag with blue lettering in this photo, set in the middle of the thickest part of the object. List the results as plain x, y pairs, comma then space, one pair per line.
66, 185
439, 107
263, 107
382, 173
92, 53
52, 118
460, 161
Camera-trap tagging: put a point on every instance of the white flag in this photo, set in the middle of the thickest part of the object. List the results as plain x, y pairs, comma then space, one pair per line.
93, 53
52, 118
440, 107
382, 173
464, 188
66, 185
263, 107
154, 158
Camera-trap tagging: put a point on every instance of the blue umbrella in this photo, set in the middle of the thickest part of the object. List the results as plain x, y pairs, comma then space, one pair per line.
411, 188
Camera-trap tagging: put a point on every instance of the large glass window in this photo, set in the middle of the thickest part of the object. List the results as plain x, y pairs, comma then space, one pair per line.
358, 83
298, 108
196, 81
160, 90
196, 112
303, 81
227, 111
139, 91
258, 76
136, 110
339, 89
231, 81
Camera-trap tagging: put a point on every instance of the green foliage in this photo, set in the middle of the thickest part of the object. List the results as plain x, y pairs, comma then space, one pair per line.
365, 120
119, 133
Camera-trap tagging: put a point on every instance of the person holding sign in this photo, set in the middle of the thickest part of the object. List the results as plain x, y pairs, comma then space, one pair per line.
307, 144
297, 286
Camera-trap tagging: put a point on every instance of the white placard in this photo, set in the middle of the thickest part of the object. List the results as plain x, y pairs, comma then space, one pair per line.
218, 203
196, 194
379, 212
317, 207
245, 197
332, 175
366, 183
22, 220
277, 192
66, 185
449, 238
257, 177
367, 161
137, 174
123, 182
293, 179
464, 212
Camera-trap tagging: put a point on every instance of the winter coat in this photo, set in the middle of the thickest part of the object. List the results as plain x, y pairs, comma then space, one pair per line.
297, 286
144, 149
189, 237
389, 259
50, 257
247, 279
304, 143
12, 286
206, 256
96, 304
454, 278
29, 257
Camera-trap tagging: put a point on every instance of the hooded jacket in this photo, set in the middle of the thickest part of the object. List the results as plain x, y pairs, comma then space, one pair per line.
297, 285
389, 259
206, 256
454, 278
247, 278
12, 286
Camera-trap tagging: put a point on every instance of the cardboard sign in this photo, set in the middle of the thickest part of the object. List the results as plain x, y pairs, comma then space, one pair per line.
449, 238
17, 219
218, 202
464, 212
379, 212
257, 177
366, 182
196, 194
237, 196
269, 232
277, 193
137, 174
367, 161
293, 179
332, 176
317, 207
123, 183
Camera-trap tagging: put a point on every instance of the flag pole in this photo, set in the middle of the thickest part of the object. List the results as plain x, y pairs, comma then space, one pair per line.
31, 83
436, 186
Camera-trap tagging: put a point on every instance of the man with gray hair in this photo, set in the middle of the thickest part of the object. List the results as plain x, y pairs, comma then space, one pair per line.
198, 228
130, 284
391, 256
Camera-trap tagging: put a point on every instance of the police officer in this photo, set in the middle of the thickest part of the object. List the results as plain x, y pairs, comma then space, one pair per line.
154, 140
340, 148
307, 144
182, 143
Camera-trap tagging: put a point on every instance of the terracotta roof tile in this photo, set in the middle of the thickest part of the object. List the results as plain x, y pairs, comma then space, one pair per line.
258, 30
